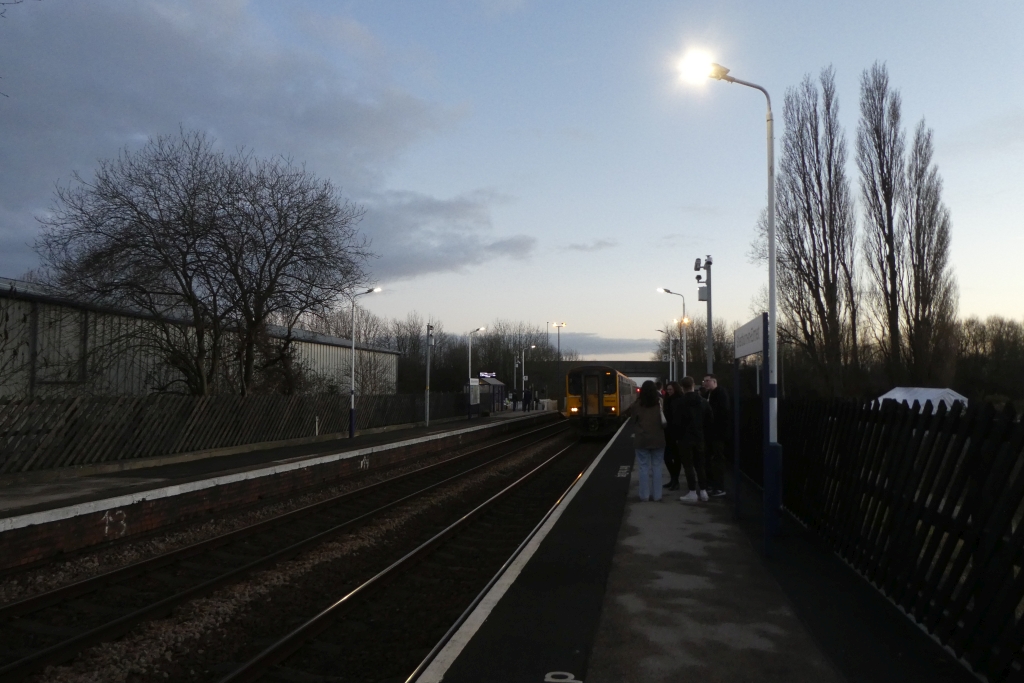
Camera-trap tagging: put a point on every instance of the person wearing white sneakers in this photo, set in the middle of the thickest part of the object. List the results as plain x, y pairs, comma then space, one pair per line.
696, 412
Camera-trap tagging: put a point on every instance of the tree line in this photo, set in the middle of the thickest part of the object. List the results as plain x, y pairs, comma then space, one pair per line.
498, 349
867, 294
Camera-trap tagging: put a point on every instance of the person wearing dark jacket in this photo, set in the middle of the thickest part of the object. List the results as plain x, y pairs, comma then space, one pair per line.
719, 434
674, 418
695, 415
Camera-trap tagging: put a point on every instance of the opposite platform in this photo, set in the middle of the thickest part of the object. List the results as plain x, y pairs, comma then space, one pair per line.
40, 521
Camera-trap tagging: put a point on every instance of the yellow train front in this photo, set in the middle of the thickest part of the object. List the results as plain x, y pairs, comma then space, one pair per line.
596, 398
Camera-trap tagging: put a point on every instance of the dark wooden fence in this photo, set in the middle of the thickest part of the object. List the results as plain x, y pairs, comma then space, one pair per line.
925, 504
52, 433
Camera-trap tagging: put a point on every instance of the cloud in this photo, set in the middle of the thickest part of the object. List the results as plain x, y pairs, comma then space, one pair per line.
996, 135
417, 234
85, 80
597, 245
589, 343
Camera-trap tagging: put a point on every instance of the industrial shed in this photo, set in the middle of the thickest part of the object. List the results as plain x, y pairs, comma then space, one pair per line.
54, 347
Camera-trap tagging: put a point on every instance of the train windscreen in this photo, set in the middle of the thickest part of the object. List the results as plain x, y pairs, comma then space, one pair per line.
575, 384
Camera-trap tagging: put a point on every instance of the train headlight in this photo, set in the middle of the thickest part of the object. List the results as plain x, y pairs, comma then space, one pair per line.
574, 410
613, 409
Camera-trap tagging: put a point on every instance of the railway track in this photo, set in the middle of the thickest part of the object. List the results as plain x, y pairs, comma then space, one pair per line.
50, 628
389, 626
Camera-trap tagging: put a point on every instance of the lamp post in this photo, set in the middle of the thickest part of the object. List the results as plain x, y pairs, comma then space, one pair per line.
683, 322
352, 368
710, 345
696, 66
671, 360
426, 397
531, 346
560, 381
470, 337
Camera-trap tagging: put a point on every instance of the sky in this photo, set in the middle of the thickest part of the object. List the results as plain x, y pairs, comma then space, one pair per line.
519, 159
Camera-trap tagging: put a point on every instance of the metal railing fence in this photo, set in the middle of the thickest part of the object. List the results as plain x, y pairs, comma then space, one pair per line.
39, 434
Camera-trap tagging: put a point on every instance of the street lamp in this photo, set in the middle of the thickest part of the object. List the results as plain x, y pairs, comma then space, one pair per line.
352, 369
684, 321
696, 67
560, 379
469, 402
671, 360
523, 351
426, 396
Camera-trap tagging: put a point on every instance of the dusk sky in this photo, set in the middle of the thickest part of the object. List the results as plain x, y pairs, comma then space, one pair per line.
525, 160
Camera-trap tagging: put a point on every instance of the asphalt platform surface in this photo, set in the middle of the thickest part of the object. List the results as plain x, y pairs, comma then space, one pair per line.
622, 590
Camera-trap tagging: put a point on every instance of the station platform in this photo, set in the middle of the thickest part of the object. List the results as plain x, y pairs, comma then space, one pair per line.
612, 589
53, 512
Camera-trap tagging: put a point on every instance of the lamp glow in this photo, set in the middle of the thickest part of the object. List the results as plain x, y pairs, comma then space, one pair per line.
695, 67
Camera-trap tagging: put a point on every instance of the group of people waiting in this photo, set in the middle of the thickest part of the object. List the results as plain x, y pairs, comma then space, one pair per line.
684, 429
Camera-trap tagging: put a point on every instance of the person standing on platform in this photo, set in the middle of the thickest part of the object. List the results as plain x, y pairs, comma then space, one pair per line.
527, 399
649, 440
673, 433
696, 413
720, 431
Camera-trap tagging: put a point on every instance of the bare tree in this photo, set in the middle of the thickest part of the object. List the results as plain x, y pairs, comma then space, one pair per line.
929, 300
213, 248
881, 144
139, 235
289, 248
816, 232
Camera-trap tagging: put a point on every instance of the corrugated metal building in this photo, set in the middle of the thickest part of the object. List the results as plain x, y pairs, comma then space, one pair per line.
53, 347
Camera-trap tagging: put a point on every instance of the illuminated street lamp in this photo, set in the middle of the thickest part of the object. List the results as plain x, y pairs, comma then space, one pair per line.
352, 372
696, 67
683, 322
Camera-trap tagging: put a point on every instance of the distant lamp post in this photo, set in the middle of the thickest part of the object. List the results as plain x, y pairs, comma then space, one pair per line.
352, 369
697, 67
523, 352
670, 358
470, 399
683, 322
560, 379
426, 397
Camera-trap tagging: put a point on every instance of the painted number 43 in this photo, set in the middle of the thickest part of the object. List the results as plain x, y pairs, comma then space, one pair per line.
115, 523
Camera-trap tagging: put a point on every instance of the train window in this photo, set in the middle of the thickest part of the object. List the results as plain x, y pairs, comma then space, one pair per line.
609, 383
575, 384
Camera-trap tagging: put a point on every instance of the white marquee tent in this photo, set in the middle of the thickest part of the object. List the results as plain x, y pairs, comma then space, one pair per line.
921, 394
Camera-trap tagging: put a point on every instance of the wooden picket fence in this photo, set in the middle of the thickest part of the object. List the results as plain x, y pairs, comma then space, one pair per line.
925, 504
53, 433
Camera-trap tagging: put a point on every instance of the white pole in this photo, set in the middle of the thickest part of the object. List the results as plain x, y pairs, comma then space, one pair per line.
352, 377
773, 406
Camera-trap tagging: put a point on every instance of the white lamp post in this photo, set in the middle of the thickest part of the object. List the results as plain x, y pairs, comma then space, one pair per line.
683, 322
561, 380
531, 346
696, 67
352, 369
671, 361
470, 398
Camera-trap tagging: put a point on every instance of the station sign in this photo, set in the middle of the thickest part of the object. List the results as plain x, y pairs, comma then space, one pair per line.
749, 339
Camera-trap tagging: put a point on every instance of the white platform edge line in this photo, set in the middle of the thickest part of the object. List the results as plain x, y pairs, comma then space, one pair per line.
435, 671
61, 513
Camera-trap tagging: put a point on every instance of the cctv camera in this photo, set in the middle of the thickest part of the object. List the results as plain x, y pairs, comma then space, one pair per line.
696, 265
707, 261
698, 278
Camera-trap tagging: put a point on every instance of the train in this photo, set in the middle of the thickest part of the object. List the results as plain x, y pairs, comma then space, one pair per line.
596, 396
